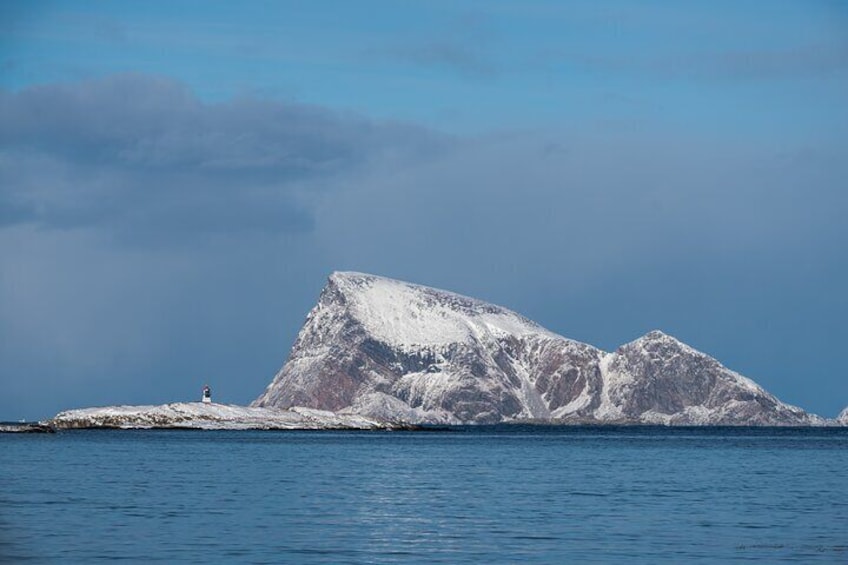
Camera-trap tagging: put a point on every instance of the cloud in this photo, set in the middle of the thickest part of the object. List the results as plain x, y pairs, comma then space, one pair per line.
143, 156
808, 60
462, 47
446, 54
811, 60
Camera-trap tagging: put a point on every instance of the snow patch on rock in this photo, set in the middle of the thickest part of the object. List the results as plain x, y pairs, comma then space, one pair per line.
404, 314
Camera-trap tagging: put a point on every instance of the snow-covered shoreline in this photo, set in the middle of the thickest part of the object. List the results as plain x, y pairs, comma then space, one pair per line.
202, 416
212, 416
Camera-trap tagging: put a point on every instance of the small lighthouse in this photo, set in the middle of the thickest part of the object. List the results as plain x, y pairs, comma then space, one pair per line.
207, 395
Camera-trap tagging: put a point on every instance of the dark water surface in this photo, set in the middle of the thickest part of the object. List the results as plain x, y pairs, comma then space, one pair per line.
473, 495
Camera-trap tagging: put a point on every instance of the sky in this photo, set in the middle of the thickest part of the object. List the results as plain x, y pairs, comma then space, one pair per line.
178, 179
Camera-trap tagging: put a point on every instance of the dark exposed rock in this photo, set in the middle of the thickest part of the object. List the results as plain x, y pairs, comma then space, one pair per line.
26, 427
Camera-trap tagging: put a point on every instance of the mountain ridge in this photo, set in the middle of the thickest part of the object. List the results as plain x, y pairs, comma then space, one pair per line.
391, 349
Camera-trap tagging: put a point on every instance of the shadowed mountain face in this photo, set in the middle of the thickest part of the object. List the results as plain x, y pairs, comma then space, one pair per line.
393, 350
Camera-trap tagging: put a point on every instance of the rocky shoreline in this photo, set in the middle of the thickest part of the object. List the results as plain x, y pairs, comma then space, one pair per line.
201, 416
212, 416
26, 427
74, 420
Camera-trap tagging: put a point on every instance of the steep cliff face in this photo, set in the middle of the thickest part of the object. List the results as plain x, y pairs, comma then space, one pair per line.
394, 350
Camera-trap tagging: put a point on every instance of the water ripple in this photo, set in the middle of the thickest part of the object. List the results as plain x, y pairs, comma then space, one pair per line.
538, 495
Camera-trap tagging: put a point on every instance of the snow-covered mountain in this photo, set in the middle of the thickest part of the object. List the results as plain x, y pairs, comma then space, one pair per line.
199, 415
398, 351
842, 419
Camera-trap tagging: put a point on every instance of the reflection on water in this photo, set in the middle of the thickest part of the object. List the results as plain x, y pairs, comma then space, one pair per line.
474, 495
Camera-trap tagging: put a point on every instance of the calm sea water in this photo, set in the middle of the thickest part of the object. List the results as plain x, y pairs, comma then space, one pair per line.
474, 495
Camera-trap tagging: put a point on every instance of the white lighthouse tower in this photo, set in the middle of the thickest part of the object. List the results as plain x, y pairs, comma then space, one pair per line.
207, 395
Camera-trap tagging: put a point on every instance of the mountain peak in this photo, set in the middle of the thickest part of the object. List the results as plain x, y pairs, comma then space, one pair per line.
361, 283
350, 276
404, 314
657, 339
660, 336
655, 335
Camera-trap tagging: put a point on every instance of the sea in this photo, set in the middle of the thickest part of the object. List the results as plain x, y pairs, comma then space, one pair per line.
480, 494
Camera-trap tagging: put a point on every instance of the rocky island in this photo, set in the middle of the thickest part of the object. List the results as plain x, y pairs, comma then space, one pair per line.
376, 353
397, 351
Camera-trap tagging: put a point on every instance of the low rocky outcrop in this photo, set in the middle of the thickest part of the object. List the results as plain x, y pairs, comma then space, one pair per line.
25, 427
210, 416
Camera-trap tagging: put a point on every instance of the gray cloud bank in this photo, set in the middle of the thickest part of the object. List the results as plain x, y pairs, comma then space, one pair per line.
735, 245
143, 155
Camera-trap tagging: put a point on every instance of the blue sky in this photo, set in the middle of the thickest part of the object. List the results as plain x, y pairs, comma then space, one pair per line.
178, 179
